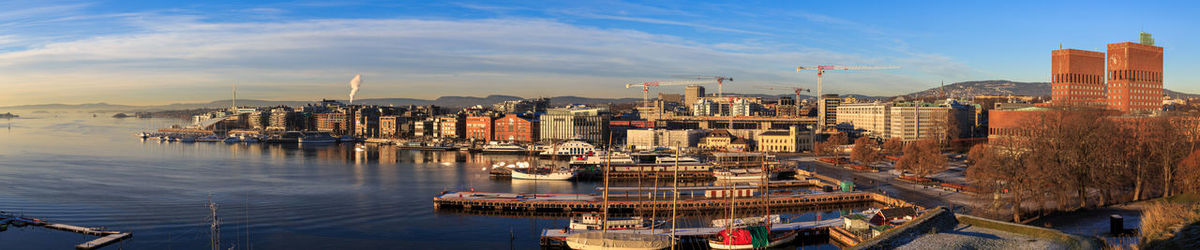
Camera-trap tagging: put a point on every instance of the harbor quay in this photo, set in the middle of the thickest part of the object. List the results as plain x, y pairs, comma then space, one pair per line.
569, 203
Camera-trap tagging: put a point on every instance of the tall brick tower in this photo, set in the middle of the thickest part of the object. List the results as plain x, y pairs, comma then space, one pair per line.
1135, 75
1077, 77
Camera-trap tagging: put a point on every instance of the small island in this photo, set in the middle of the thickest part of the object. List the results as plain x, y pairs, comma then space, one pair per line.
8, 115
120, 115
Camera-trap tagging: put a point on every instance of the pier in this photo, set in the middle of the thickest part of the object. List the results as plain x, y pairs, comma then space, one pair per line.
106, 237
568, 203
555, 237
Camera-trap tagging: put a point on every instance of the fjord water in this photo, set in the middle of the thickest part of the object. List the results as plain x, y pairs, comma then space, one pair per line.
91, 171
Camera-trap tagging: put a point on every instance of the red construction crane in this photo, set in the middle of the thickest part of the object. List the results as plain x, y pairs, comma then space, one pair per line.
720, 81
794, 89
646, 87
821, 74
821, 71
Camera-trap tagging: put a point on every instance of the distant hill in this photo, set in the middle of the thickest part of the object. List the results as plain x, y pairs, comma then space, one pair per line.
964, 90
960, 90
445, 101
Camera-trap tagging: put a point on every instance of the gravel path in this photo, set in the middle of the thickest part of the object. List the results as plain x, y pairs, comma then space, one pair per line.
972, 237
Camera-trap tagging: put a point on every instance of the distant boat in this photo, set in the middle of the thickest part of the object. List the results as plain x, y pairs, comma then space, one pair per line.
503, 148
740, 175
560, 174
249, 139
232, 139
209, 138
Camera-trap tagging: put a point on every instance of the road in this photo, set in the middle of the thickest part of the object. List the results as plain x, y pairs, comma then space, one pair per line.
886, 183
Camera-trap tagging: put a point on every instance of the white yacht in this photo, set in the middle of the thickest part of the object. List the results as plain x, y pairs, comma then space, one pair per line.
560, 174
503, 148
593, 221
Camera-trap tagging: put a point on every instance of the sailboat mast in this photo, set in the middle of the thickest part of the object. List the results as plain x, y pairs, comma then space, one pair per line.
766, 189
674, 195
729, 223
607, 166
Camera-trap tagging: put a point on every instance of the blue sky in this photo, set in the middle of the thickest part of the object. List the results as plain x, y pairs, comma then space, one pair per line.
158, 52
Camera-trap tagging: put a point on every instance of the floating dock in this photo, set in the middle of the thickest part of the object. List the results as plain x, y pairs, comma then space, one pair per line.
568, 203
106, 237
555, 237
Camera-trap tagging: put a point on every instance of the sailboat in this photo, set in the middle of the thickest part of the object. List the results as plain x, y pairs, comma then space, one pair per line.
605, 239
738, 236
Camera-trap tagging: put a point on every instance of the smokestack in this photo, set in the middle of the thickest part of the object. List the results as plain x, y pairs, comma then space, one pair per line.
354, 83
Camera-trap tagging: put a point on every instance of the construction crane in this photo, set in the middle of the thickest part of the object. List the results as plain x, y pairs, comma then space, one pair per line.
646, 87
821, 74
720, 82
794, 89
821, 71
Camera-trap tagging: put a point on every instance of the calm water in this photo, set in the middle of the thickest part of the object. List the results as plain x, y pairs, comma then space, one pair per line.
75, 169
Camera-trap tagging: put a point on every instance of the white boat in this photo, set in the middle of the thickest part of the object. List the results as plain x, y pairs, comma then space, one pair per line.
776, 239
750, 174
187, 139
554, 175
618, 241
683, 160
232, 139
250, 139
209, 138
514, 165
593, 221
503, 148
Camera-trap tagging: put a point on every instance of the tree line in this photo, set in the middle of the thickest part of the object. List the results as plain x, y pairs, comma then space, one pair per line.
1070, 158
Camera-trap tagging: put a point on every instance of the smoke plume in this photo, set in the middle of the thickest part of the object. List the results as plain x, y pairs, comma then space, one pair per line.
354, 83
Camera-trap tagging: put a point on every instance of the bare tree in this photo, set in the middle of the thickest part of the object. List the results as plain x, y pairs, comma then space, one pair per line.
893, 145
865, 151
922, 157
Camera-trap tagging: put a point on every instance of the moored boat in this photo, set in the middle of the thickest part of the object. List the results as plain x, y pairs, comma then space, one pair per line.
594, 221
552, 175
618, 241
503, 148
756, 237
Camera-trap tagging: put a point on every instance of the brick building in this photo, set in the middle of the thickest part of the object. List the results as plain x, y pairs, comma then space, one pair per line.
336, 123
480, 127
1135, 76
1077, 77
514, 127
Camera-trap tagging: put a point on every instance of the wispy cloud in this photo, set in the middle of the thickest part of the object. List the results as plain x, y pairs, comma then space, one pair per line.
168, 57
665, 22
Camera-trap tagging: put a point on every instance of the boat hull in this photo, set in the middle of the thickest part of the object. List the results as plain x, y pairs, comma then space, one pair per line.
555, 176
783, 238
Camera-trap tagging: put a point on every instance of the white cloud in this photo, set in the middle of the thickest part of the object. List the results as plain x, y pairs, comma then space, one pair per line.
404, 58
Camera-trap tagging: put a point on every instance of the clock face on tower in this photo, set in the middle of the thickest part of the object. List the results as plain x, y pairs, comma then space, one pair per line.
1115, 61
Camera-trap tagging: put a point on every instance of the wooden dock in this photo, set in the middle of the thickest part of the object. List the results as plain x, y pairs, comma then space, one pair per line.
567, 203
555, 237
106, 237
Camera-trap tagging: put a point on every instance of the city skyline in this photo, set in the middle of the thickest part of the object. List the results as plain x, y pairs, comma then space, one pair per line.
160, 53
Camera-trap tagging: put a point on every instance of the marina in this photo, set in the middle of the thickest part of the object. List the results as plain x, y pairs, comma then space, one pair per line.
106, 237
567, 203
